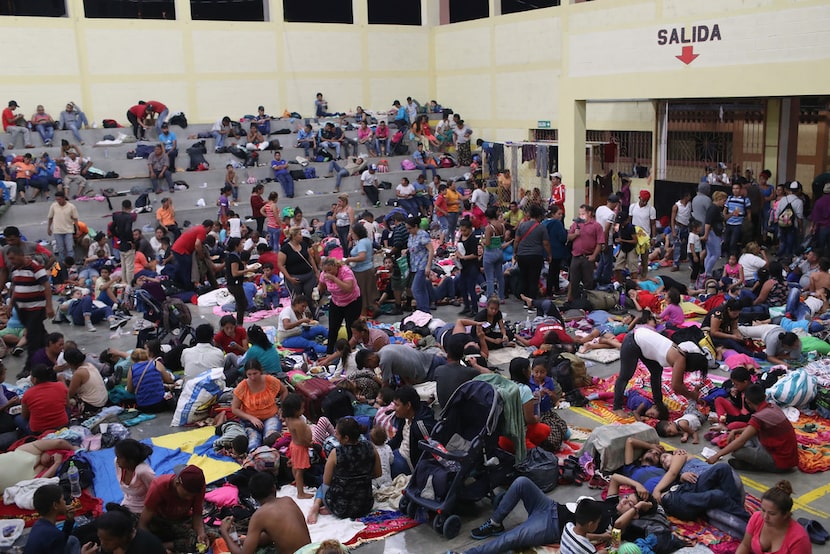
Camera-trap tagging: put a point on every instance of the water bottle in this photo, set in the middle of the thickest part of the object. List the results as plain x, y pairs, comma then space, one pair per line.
233, 534
315, 294
527, 322
74, 480
358, 205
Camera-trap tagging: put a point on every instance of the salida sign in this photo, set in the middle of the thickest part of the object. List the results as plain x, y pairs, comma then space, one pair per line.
688, 37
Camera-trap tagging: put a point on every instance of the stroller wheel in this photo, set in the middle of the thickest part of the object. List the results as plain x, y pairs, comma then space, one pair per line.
452, 526
438, 524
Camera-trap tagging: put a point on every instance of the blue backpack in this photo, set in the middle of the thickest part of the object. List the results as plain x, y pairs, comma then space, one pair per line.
310, 173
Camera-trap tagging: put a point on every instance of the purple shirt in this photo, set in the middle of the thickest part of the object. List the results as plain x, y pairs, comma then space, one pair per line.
673, 314
40, 357
820, 215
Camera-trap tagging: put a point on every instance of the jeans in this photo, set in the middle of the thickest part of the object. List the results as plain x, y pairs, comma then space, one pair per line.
15, 131
713, 244
399, 465
795, 307
424, 168
46, 132
788, 236
138, 130
468, 289
540, 527
306, 146
240, 299
33, 320
681, 239
493, 271
422, 290
269, 426
410, 205
220, 139
154, 180
372, 194
343, 235
754, 453
287, 182
274, 238
382, 145
162, 117
339, 314
83, 307
731, 237
184, 268
452, 223
448, 288
335, 145
65, 245
339, 173
715, 488
171, 155
630, 354
306, 341
74, 128
87, 277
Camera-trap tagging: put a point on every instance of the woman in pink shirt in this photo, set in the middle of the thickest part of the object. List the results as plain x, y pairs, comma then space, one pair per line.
346, 304
133, 472
366, 137
772, 528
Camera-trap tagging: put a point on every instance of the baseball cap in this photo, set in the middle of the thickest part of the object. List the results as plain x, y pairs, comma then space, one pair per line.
373, 167
556, 174
13, 104
306, 234
621, 217
645, 195
165, 125
571, 506
192, 479
721, 165
795, 185
613, 197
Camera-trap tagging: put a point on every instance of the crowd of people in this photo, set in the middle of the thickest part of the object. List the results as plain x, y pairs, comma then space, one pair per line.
447, 241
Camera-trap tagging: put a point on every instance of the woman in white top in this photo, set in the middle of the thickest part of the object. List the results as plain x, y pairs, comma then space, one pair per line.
405, 192
87, 384
656, 352
343, 219
753, 259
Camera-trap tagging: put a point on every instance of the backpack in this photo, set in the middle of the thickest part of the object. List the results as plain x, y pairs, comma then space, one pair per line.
310, 173
143, 201
541, 467
602, 300
176, 308
785, 219
239, 152
323, 155
274, 144
110, 124
579, 371
407, 165
179, 119
297, 174
85, 473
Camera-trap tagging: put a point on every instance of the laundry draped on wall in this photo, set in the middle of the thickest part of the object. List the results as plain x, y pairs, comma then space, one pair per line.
541, 161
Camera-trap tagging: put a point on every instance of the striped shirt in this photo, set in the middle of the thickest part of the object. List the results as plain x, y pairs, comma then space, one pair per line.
29, 283
571, 543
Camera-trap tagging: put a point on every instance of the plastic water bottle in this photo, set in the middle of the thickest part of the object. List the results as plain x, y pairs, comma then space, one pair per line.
74, 480
527, 322
315, 294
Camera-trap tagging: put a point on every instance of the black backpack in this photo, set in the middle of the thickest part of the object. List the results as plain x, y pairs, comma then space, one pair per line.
143, 201
197, 155
179, 119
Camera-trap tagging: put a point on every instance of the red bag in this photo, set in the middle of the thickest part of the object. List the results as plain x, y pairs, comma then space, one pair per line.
313, 391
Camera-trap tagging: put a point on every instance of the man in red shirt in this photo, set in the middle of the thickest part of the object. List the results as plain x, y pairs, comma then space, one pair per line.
15, 125
159, 111
137, 116
587, 238
557, 191
768, 443
189, 243
43, 405
173, 509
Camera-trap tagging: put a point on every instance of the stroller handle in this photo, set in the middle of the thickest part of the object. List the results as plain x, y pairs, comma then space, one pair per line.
425, 446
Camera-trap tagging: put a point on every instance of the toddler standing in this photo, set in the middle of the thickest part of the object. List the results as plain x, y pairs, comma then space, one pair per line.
292, 413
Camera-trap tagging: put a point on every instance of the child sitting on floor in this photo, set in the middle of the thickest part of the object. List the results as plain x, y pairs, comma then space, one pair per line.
378, 436
45, 537
385, 416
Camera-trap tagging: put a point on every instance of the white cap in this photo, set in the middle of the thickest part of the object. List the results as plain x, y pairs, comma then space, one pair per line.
571, 506
305, 233
795, 185
556, 174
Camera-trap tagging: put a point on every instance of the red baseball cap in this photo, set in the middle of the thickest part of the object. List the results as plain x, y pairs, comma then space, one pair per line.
645, 195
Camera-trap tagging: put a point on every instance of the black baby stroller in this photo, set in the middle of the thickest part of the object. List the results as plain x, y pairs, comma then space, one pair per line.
462, 461
164, 316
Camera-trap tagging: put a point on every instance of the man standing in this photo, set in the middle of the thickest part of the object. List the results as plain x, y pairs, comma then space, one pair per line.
587, 238
557, 192
701, 202
737, 207
170, 144
790, 217
186, 245
645, 217
605, 216
369, 183
281, 174
63, 217
15, 126
159, 165
681, 215
122, 229
31, 294
30, 250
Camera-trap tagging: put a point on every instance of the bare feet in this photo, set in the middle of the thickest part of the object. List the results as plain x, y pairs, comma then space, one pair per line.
304, 495
312, 518
621, 413
684, 437
527, 300
695, 441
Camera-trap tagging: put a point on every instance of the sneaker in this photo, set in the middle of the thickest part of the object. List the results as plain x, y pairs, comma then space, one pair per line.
91, 328
17, 351
487, 529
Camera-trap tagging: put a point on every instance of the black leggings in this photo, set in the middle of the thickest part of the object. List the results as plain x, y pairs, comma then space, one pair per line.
530, 268
241, 300
630, 354
337, 315
138, 130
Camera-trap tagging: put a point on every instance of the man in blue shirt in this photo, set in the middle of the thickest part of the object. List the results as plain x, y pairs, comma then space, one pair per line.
737, 206
329, 140
45, 175
306, 139
281, 174
422, 196
167, 138
263, 122
401, 117
424, 160
45, 537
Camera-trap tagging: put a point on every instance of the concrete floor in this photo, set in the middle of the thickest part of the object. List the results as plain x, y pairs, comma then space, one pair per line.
810, 490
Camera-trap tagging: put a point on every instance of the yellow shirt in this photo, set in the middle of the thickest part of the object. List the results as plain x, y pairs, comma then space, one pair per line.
514, 218
453, 201
166, 216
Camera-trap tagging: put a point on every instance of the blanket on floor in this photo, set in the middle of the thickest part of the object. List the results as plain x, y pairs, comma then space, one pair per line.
85, 505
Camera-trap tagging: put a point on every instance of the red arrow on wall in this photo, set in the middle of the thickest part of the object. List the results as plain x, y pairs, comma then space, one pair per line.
688, 55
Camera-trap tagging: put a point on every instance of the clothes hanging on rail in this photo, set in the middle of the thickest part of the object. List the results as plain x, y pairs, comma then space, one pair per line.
495, 161
541, 161
528, 152
514, 169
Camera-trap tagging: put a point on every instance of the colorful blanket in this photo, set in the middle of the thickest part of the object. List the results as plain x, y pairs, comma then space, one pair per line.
701, 532
85, 505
